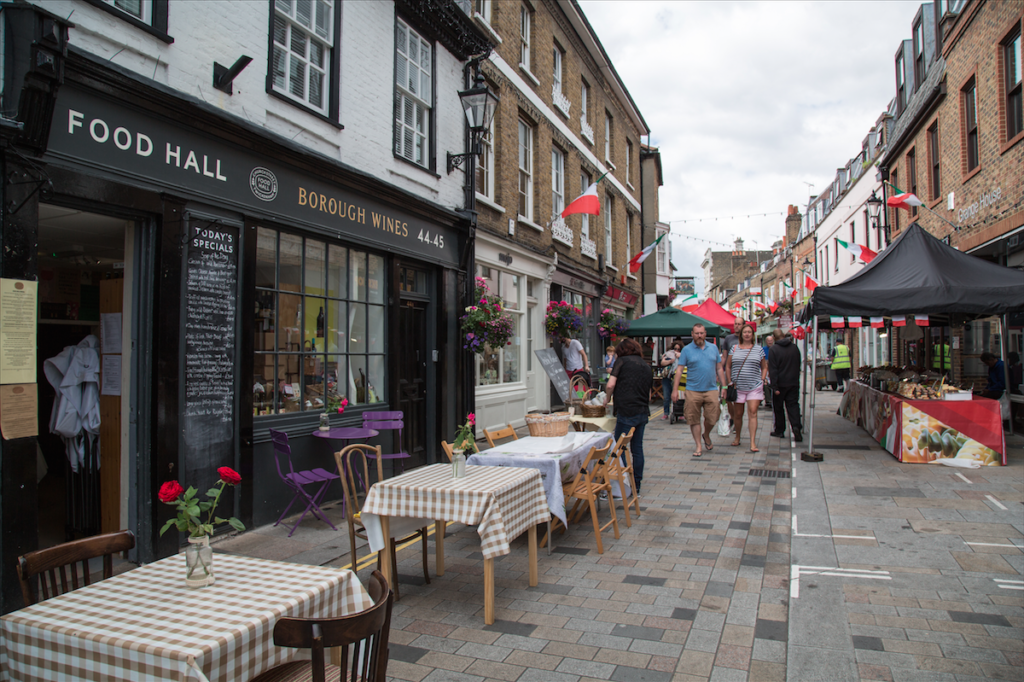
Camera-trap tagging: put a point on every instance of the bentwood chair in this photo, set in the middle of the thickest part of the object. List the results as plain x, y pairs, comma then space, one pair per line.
53, 571
590, 481
500, 434
450, 451
353, 462
620, 468
298, 480
362, 637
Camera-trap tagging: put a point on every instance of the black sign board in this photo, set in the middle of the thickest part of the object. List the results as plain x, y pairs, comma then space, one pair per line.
140, 146
210, 322
549, 361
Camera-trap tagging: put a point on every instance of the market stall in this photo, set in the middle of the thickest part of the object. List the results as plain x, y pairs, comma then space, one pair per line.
920, 275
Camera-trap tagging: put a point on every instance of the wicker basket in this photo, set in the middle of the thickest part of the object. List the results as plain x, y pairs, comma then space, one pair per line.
591, 410
548, 425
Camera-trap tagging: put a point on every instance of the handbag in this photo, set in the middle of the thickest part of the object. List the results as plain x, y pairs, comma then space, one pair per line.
731, 394
724, 425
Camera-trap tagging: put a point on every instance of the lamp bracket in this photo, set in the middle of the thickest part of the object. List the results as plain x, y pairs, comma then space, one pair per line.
223, 76
456, 160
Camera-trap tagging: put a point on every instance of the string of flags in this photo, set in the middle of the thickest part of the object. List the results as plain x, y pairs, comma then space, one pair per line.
728, 217
839, 321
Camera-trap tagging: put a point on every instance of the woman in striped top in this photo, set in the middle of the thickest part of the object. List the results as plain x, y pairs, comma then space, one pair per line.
746, 368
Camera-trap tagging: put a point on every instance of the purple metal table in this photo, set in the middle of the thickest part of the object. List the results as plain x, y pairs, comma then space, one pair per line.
347, 434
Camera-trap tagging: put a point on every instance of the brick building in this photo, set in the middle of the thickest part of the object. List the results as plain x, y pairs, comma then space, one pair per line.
565, 119
726, 271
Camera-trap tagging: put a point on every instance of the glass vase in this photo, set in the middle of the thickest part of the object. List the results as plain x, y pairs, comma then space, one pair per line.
458, 464
199, 562
325, 421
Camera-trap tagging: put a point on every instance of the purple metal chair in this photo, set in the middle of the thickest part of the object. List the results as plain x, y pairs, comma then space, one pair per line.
297, 480
389, 421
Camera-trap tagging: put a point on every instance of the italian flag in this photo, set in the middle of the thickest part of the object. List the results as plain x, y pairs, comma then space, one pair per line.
899, 320
810, 282
862, 252
855, 321
637, 260
588, 202
921, 320
772, 305
760, 306
837, 321
686, 304
904, 200
877, 322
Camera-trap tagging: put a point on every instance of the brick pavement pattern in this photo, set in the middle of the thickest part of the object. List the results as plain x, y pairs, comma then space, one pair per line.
702, 586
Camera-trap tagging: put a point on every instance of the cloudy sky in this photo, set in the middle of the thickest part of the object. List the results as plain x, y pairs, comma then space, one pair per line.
749, 102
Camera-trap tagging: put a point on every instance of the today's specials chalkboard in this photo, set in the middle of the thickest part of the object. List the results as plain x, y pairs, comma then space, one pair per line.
551, 364
211, 297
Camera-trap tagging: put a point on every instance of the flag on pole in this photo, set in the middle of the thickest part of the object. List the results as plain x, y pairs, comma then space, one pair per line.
837, 321
684, 302
921, 320
638, 259
862, 252
904, 200
760, 306
772, 305
899, 320
754, 291
588, 202
877, 322
856, 322
810, 282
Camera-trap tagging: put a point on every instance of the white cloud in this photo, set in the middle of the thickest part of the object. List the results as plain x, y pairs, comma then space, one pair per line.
748, 100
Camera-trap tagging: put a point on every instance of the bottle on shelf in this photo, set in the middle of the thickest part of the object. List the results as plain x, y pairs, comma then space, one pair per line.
320, 323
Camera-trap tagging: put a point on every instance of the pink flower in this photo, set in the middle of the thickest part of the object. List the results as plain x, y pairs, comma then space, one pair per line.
471, 418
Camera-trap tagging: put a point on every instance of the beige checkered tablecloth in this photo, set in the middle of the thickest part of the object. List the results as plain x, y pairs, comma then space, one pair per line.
146, 625
501, 501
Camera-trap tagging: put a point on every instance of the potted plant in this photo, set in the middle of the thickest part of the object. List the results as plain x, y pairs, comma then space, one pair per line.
563, 319
611, 325
485, 322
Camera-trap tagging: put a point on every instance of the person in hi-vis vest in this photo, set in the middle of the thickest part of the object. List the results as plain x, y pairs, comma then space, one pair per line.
941, 360
841, 362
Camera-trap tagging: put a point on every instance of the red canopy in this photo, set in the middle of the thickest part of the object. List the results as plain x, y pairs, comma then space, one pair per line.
712, 312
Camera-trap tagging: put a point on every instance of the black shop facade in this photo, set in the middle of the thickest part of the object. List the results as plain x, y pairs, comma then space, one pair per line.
229, 282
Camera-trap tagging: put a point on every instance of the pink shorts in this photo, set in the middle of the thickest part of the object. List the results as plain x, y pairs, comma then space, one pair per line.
756, 394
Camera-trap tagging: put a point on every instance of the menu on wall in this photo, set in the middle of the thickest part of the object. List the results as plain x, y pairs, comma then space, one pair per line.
18, 331
210, 316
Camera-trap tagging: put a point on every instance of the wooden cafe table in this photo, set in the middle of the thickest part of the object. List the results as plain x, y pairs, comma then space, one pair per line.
146, 625
501, 502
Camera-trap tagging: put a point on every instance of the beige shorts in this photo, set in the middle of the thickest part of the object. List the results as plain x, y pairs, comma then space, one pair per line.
708, 400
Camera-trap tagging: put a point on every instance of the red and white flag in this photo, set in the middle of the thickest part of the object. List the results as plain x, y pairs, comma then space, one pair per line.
877, 322
772, 305
899, 320
588, 202
636, 261
810, 282
760, 306
862, 252
856, 322
921, 320
904, 200
837, 321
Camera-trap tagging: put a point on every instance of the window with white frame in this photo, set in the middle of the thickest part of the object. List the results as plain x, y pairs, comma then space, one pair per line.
483, 8
413, 94
608, 137
608, 229
525, 170
303, 41
584, 96
584, 186
485, 164
503, 365
629, 234
525, 20
140, 9
557, 69
629, 162
557, 182
662, 249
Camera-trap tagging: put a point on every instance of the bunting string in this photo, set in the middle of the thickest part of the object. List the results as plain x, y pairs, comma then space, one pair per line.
728, 217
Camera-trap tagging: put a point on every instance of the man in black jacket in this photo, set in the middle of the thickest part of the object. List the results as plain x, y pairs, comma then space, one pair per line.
784, 371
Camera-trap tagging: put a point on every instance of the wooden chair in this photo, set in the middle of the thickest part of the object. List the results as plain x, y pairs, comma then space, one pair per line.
450, 451
591, 481
363, 638
56, 569
620, 468
507, 432
352, 462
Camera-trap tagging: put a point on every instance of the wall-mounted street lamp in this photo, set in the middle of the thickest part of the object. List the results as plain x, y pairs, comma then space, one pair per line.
479, 103
875, 214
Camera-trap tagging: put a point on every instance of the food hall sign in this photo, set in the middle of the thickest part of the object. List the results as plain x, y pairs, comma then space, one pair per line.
104, 135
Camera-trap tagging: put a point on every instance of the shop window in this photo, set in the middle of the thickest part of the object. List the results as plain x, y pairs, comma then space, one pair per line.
969, 111
1010, 52
319, 327
525, 170
302, 63
503, 365
149, 15
413, 95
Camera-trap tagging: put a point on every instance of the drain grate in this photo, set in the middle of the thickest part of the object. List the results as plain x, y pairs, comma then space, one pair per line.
769, 473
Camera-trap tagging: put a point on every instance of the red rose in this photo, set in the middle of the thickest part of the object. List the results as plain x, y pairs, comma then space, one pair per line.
170, 491
229, 476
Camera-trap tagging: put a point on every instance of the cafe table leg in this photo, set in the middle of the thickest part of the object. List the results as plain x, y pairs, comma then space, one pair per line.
489, 591
533, 555
439, 527
385, 561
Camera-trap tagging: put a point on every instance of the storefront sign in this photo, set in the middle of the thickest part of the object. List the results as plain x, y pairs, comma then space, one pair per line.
105, 135
617, 294
988, 199
505, 258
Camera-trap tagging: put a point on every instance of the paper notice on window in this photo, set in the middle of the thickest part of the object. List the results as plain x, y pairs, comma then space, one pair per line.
18, 331
18, 416
110, 333
111, 375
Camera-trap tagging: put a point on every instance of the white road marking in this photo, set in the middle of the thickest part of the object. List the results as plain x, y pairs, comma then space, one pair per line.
797, 571
965, 478
798, 534
996, 502
1012, 584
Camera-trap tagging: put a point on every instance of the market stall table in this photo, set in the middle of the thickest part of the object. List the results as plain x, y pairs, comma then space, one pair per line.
146, 625
501, 502
606, 423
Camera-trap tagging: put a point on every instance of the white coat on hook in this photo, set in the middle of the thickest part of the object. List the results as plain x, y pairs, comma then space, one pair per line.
74, 375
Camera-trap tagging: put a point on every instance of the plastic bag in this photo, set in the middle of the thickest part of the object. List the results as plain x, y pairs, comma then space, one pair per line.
724, 426
1004, 406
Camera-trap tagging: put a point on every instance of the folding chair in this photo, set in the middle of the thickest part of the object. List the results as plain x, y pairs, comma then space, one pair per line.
353, 462
54, 570
363, 638
297, 480
591, 480
507, 432
389, 421
619, 467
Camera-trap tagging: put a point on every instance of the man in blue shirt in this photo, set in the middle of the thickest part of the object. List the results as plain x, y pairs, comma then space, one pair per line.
705, 386
996, 376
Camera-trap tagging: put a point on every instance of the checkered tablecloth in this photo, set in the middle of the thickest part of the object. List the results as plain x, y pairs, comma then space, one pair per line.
146, 625
554, 468
501, 502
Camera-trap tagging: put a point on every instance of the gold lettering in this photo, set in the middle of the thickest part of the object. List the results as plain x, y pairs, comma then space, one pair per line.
390, 224
302, 196
362, 215
323, 203
333, 206
405, 229
376, 219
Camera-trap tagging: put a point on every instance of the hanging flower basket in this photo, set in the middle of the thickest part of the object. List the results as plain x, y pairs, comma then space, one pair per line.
610, 325
485, 323
563, 319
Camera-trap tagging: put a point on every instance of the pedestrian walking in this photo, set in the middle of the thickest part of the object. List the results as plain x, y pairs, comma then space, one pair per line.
668, 365
735, 412
769, 341
746, 368
784, 373
630, 382
705, 386
576, 361
841, 362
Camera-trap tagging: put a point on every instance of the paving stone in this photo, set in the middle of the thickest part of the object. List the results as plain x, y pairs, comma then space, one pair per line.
637, 632
409, 654
870, 643
702, 640
452, 676
979, 618
771, 630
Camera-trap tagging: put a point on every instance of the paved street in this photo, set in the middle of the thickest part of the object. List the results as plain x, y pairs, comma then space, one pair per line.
742, 566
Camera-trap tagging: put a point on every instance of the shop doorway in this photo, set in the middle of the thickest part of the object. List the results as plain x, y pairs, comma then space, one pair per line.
415, 362
85, 292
